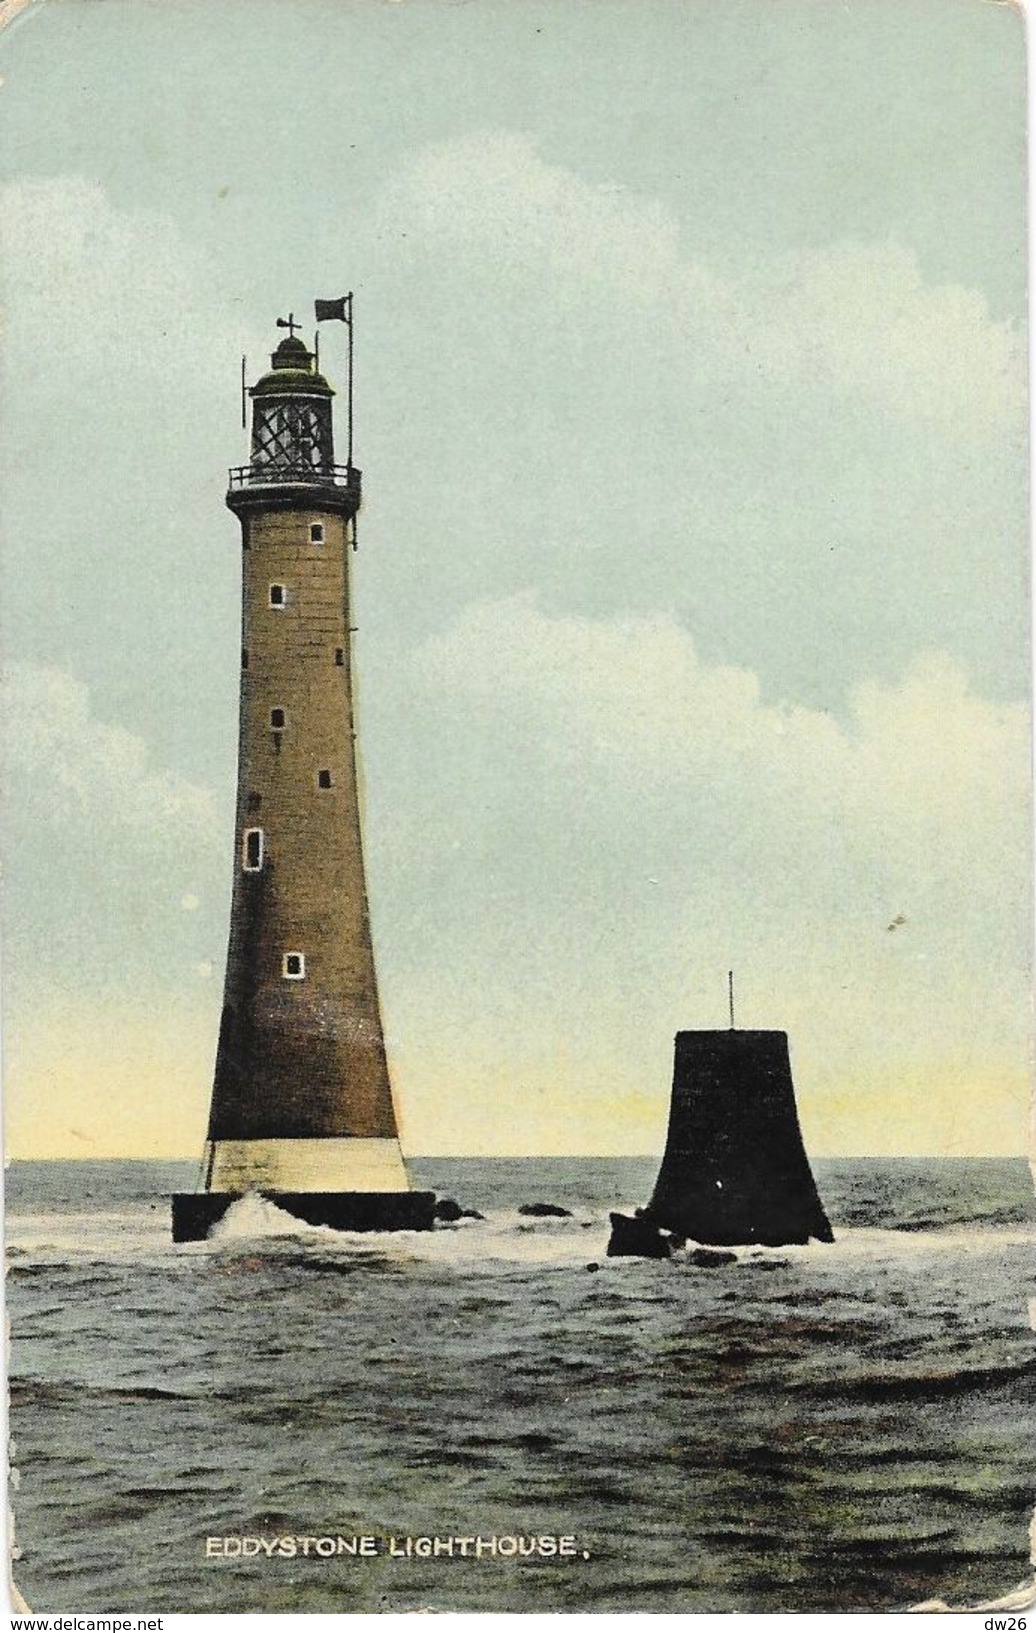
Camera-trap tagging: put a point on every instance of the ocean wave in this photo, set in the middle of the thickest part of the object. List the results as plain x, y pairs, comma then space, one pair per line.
47, 1245
891, 1384
43, 1392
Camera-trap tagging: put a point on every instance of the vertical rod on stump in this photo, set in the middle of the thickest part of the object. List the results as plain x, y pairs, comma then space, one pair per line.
730, 996
349, 302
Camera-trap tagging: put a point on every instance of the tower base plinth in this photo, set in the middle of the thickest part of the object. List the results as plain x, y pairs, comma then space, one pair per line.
196, 1212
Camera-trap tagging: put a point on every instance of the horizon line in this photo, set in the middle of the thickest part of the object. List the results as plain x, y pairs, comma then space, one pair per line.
580, 1156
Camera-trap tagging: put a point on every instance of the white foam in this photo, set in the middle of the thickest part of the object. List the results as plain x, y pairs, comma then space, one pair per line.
254, 1216
505, 1237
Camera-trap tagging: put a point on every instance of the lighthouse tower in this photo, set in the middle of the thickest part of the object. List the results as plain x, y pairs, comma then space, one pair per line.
302, 1107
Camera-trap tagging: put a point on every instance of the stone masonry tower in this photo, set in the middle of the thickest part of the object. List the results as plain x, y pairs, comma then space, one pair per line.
301, 1103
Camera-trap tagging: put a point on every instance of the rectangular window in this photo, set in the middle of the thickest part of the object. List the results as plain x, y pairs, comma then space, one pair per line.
254, 801
339, 656
253, 850
323, 779
278, 595
293, 966
316, 533
277, 719
244, 657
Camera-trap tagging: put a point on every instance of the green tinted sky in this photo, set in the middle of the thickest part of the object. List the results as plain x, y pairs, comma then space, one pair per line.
692, 583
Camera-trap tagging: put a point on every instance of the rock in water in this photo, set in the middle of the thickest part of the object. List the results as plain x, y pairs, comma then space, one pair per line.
637, 1238
545, 1210
449, 1210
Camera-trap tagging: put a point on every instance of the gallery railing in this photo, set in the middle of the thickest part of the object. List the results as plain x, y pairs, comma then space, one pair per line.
260, 476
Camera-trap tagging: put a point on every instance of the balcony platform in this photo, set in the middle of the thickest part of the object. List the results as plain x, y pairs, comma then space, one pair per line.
294, 487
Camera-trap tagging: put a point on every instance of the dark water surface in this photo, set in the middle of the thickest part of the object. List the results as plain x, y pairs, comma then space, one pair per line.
843, 1427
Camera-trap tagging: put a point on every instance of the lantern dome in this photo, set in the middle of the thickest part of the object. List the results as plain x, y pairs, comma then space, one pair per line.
291, 373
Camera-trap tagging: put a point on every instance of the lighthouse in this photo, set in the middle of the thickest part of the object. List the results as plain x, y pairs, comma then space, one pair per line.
302, 1109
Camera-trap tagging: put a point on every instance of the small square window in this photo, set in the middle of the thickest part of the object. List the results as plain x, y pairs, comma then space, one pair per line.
252, 858
323, 779
293, 966
339, 656
316, 533
278, 595
277, 719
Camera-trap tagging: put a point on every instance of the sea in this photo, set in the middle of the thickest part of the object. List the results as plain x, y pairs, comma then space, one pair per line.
825, 1428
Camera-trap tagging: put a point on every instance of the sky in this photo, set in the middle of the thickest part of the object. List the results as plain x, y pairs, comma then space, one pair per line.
692, 584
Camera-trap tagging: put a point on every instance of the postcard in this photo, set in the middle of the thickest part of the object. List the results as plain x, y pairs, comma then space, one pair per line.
517, 837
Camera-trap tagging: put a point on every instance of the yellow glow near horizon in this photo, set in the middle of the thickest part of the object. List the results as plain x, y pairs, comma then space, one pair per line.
139, 1087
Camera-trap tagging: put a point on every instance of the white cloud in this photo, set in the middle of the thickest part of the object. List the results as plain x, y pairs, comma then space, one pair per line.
72, 766
924, 762
492, 187
601, 824
88, 285
844, 318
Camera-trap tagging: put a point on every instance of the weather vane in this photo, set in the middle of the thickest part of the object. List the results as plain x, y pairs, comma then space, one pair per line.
289, 324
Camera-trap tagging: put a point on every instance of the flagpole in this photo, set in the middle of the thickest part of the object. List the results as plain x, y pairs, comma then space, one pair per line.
350, 300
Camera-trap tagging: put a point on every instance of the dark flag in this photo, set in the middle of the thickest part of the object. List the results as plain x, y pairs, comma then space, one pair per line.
340, 309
